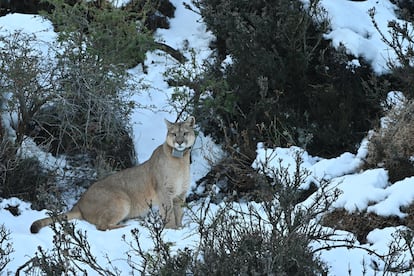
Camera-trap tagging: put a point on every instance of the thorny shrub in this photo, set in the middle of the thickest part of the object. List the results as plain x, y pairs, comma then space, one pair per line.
6, 247
400, 40
271, 237
281, 236
69, 96
70, 255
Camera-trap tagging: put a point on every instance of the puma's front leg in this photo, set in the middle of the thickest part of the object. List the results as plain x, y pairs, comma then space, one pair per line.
167, 212
178, 204
171, 209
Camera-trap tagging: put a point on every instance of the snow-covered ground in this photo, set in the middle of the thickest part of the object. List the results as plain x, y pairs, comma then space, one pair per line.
361, 190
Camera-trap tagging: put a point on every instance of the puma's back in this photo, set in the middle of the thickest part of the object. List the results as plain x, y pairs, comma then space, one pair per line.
162, 180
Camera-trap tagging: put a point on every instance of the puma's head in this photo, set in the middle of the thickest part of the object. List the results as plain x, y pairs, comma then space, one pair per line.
181, 135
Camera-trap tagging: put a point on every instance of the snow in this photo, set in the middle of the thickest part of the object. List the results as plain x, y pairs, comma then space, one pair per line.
359, 190
400, 194
352, 27
187, 32
31, 25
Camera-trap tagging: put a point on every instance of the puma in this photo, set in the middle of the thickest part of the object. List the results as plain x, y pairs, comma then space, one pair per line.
162, 180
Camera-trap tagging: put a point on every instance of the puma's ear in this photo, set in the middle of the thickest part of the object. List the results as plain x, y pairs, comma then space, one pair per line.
191, 121
168, 123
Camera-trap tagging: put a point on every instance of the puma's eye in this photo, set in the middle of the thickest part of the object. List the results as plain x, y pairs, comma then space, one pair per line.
185, 133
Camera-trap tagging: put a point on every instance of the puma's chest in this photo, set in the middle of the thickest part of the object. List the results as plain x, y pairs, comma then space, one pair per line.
177, 180
172, 173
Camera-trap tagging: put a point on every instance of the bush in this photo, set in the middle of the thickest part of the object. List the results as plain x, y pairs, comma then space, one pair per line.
156, 12
74, 100
98, 44
6, 247
70, 96
401, 42
268, 238
393, 145
281, 236
111, 35
22, 177
291, 83
27, 82
70, 255
24, 181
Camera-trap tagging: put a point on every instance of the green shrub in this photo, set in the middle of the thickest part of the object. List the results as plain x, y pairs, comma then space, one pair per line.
284, 78
156, 12
111, 35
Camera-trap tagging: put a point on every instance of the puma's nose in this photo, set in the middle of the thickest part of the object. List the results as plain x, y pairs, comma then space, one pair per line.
179, 141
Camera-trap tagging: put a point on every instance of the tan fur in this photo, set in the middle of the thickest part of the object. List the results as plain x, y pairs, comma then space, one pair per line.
162, 180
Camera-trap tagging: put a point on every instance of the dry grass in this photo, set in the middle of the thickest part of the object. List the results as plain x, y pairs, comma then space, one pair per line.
359, 223
393, 146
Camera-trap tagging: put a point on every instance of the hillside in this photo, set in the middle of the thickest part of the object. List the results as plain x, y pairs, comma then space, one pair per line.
368, 229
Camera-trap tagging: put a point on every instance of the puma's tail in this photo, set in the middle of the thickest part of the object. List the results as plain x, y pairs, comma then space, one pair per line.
39, 224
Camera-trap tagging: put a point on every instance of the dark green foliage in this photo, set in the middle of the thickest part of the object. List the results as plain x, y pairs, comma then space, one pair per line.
406, 9
156, 12
23, 179
112, 35
286, 85
342, 107
22, 6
